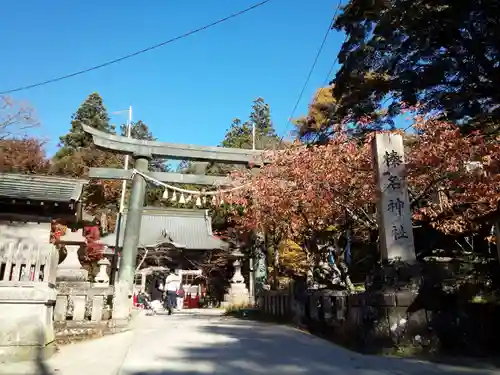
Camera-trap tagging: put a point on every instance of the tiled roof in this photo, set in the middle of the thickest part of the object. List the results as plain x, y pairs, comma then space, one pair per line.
183, 228
41, 188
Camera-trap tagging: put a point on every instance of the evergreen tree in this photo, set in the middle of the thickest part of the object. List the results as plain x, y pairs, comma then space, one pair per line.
239, 135
440, 55
92, 113
77, 154
139, 130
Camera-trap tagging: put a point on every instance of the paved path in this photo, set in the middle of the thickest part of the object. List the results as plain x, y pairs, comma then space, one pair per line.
203, 342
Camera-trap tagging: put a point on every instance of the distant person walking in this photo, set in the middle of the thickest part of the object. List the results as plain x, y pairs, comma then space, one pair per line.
172, 285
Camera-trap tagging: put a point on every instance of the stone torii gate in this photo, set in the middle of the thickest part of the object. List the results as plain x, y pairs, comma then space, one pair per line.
142, 151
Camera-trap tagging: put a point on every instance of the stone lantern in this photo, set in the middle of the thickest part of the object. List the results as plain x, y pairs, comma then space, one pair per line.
71, 269
102, 278
237, 294
237, 277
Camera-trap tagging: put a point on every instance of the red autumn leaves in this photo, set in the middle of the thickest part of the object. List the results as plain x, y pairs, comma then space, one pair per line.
309, 188
23, 155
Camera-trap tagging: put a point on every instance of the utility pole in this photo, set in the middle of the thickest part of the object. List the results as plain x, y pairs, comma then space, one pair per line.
119, 218
125, 166
251, 276
253, 136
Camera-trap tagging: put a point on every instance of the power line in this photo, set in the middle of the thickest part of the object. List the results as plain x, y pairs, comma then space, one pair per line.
297, 102
337, 57
96, 67
327, 78
318, 54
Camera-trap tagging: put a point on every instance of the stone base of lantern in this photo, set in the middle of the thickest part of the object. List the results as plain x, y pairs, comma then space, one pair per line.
70, 269
72, 275
237, 295
101, 280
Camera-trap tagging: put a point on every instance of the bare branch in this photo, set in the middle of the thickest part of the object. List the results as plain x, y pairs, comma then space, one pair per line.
15, 116
142, 260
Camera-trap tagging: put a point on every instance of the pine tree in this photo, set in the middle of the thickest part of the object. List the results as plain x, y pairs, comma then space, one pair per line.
239, 135
77, 154
92, 113
261, 119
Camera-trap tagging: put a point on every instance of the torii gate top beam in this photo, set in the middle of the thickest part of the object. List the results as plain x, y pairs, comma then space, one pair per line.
124, 145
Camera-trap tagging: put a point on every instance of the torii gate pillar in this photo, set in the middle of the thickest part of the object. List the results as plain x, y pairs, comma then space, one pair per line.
122, 304
142, 151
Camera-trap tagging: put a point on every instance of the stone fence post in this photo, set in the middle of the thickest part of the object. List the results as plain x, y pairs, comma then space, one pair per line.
27, 292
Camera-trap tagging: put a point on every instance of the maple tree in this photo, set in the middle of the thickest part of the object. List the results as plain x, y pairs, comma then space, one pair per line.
15, 117
303, 193
307, 189
57, 230
293, 258
23, 155
94, 249
18, 152
98, 193
454, 179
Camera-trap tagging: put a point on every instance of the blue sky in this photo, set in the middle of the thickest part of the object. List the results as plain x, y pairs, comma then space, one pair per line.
188, 91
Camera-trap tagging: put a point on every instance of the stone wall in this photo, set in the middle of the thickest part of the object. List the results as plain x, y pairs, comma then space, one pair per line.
82, 310
403, 320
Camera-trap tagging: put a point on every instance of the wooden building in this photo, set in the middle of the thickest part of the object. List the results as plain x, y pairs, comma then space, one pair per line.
174, 238
37, 198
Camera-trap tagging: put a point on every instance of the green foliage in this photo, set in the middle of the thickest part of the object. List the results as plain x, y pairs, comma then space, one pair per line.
441, 54
77, 154
239, 135
92, 113
318, 125
139, 130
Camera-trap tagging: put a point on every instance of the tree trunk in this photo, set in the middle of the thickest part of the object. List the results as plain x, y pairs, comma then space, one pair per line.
345, 275
276, 263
